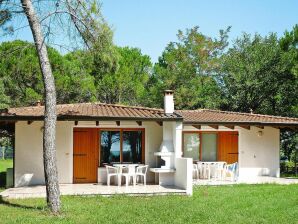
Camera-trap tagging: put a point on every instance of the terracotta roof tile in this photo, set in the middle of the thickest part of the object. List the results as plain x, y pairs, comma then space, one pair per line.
92, 110
217, 116
112, 111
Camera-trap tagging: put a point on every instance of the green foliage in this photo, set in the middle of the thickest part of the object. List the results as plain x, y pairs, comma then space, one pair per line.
256, 75
188, 67
289, 45
127, 84
4, 99
5, 18
22, 79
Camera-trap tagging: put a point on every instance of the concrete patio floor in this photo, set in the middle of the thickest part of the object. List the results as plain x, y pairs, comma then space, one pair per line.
91, 189
253, 180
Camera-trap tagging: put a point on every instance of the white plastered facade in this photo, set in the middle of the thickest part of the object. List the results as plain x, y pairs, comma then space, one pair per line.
28, 149
258, 150
258, 153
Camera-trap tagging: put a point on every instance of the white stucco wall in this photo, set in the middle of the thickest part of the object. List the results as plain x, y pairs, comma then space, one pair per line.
258, 155
28, 155
183, 174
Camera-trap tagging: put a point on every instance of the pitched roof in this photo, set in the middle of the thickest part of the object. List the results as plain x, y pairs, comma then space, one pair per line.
101, 111
207, 116
90, 111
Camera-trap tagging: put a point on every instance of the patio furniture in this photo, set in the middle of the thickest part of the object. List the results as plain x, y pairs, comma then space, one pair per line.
231, 170
126, 170
113, 172
220, 170
200, 170
142, 172
130, 173
195, 171
205, 168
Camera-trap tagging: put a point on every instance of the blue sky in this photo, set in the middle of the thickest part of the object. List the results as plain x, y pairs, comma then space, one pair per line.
151, 24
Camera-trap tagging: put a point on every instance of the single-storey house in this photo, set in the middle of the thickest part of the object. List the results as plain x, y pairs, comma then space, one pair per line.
91, 135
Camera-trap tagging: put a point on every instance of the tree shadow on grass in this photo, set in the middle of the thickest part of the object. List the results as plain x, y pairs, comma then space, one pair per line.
16, 205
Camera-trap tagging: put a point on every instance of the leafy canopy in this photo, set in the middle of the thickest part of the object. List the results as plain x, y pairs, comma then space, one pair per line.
188, 67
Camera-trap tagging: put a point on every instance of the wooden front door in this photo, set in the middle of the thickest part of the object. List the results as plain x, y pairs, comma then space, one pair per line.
85, 155
228, 146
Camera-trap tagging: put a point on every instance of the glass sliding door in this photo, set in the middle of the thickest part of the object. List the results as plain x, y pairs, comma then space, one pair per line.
132, 146
191, 145
209, 146
109, 147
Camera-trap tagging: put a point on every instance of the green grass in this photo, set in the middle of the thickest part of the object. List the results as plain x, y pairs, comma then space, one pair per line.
4, 164
221, 204
286, 175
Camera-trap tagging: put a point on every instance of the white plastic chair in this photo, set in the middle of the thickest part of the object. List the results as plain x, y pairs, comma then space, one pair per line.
141, 172
200, 169
112, 172
130, 174
231, 170
195, 171
206, 167
220, 170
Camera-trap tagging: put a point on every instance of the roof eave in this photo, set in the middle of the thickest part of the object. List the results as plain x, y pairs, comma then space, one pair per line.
239, 123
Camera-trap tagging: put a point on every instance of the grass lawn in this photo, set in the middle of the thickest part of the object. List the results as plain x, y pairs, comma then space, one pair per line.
221, 204
4, 164
286, 175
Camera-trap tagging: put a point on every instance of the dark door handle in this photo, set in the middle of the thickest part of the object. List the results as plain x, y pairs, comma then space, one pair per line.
80, 154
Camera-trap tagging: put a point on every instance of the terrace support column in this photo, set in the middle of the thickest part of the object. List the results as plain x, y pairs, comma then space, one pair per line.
177, 140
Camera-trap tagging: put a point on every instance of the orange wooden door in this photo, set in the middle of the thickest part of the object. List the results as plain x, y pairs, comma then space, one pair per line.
85, 155
228, 146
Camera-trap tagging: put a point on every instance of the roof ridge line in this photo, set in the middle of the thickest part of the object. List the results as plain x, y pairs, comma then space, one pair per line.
240, 113
250, 114
94, 103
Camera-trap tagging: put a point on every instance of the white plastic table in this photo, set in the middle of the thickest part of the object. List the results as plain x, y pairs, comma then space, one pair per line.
131, 168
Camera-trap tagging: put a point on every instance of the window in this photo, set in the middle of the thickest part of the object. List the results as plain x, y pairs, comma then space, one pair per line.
121, 146
191, 145
209, 146
132, 146
110, 147
200, 146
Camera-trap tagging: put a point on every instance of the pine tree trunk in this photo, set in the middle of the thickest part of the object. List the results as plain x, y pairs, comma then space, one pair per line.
49, 146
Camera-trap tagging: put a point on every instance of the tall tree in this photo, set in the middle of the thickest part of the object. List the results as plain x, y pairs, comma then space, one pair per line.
4, 99
46, 17
189, 67
289, 45
22, 78
255, 76
49, 133
127, 84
